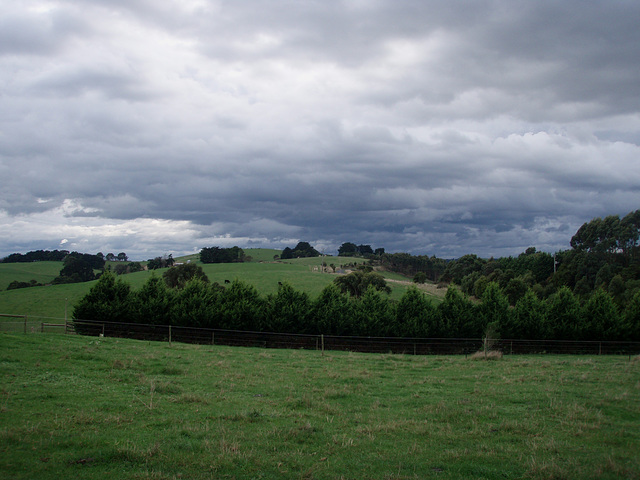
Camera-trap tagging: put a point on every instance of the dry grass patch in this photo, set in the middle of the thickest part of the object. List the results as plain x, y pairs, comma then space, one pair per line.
491, 355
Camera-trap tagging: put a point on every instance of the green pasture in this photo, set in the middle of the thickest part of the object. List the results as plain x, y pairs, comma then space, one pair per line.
263, 272
41, 272
93, 408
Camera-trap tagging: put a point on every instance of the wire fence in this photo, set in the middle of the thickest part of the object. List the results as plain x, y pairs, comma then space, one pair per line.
410, 346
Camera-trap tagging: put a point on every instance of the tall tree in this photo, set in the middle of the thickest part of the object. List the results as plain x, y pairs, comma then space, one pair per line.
287, 311
331, 312
458, 316
416, 316
528, 319
108, 300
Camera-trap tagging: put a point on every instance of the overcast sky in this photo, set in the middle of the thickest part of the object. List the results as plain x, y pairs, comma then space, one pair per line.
430, 127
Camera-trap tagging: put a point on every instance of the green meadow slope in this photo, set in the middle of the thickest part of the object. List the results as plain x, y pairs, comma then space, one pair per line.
263, 272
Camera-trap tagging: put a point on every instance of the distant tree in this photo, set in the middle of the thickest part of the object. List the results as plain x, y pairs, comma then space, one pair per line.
301, 250
420, 277
130, 267
75, 270
36, 256
221, 255
356, 283
122, 257
468, 282
479, 286
111, 257
120, 269
456, 270
348, 249
515, 289
178, 276
365, 250
160, 262
304, 250
379, 251
16, 284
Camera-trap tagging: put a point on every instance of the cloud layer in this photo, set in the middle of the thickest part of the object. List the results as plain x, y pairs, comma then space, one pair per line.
428, 127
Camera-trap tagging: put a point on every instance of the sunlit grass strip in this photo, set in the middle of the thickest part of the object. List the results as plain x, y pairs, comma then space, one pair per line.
104, 408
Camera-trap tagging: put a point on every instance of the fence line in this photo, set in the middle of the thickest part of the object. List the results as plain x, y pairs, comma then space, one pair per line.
411, 346
321, 342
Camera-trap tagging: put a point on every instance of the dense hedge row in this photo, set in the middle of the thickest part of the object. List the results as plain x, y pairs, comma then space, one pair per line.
241, 307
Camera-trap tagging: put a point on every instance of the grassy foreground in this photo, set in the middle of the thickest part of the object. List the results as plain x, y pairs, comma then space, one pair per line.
93, 408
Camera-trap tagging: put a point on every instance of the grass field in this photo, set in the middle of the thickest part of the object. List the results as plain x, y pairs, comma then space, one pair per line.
94, 408
49, 302
41, 272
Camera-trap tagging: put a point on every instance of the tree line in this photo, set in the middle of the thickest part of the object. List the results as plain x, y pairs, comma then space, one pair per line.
604, 257
193, 301
222, 255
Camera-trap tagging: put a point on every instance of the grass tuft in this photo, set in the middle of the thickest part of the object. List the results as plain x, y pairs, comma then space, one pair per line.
482, 355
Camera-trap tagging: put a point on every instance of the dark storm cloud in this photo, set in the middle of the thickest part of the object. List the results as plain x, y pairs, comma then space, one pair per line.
429, 127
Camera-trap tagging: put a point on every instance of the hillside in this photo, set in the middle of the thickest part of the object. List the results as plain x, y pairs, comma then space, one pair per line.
263, 272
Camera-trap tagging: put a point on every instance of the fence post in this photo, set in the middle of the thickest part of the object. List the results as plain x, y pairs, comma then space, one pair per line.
322, 340
103, 329
169, 335
213, 338
599, 348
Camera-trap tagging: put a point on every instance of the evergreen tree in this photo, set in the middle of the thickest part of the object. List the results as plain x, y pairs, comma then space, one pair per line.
600, 318
372, 314
494, 308
287, 311
631, 325
152, 303
457, 316
331, 313
528, 319
242, 307
198, 304
563, 316
109, 300
415, 316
